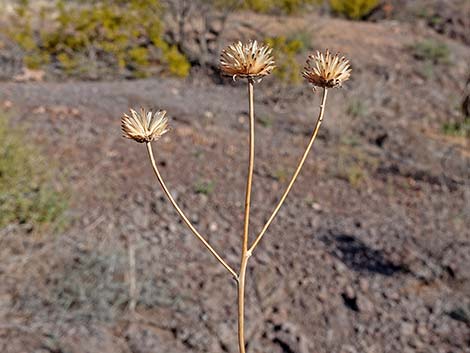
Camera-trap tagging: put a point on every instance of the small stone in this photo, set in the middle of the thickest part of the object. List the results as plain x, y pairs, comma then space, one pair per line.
172, 227
349, 292
29, 75
415, 343
208, 114
202, 199
39, 110
7, 104
213, 227
340, 267
184, 131
195, 218
407, 329
364, 285
316, 206
364, 304
323, 294
348, 349
75, 112
422, 330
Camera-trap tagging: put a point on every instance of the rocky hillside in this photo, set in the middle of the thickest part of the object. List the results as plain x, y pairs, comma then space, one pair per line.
369, 254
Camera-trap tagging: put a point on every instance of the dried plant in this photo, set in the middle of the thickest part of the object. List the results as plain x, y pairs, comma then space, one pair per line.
144, 126
326, 70
247, 60
252, 62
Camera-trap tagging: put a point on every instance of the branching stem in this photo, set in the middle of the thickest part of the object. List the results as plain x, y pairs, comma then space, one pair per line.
245, 253
296, 173
183, 216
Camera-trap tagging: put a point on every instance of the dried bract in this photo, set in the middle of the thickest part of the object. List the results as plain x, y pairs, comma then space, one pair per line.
327, 70
144, 126
247, 60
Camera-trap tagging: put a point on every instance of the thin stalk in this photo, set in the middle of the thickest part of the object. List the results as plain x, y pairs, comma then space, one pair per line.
296, 173
245, 253
249, 180
241, 303
183, 216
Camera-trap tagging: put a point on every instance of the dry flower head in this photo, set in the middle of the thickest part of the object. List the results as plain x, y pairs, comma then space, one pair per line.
144, 126
247, 60
327, 70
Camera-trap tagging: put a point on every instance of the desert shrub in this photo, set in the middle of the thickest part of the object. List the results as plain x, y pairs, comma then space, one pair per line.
353, 164
457, 128
353, 9
27, 194
178, 64
286, 50
25, 36
121, 36
356, 108
431, 51
284, 6
204, 187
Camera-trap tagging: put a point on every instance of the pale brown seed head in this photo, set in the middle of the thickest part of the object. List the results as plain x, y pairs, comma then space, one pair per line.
144, 126
326, 70
247, 60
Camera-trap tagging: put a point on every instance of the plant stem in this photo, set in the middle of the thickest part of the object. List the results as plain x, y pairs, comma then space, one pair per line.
249, 181
183, 216
245, 253
296, 173
241, 303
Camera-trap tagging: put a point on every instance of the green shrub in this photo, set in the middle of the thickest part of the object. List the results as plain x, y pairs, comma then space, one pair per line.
431, 51
259, 5
204, 187
27, 195
121, 36
457, 128
177, 63
285, 51
356, 108
353, 9
353, 164
283, 6
265, 121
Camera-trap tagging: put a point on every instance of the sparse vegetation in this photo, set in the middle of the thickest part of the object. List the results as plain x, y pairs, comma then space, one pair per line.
457, 128
282, 6
204, 187
431, 51
353, 165
281, 175
118, 36
356, 108
265, 121
287, 49
353, 9
27, 194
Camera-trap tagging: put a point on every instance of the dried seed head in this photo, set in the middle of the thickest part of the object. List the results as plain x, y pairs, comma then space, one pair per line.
144, 126
326, 70
247, 60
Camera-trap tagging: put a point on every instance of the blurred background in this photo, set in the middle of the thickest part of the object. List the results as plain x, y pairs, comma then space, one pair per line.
370, 253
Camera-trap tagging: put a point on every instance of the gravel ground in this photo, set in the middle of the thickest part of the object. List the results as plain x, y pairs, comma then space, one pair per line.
370, 253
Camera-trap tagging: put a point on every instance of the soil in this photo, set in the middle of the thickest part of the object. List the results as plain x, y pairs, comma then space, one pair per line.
370, 253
